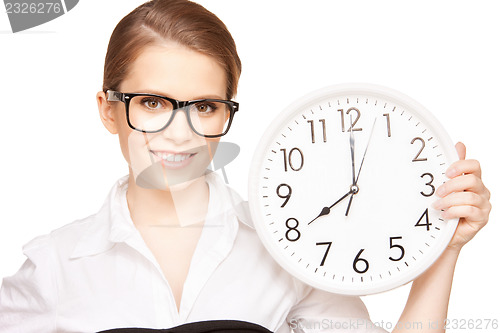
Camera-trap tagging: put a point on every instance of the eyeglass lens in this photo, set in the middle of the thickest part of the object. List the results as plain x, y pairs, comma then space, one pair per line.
150, 113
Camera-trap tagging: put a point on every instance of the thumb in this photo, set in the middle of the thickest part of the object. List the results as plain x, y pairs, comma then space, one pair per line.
461, 150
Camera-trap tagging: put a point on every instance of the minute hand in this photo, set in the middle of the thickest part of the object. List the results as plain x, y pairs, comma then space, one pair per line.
351, 146
361, 166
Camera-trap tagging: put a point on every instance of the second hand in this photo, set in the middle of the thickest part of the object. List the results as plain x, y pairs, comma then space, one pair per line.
355, 185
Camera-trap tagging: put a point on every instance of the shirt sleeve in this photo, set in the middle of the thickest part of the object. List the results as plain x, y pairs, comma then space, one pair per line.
320, 311
28, 298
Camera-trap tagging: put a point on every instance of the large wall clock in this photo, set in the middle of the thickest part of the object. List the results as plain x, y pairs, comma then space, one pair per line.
341, 187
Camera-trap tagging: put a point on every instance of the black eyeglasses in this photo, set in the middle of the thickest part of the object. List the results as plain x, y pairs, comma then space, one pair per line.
150, 113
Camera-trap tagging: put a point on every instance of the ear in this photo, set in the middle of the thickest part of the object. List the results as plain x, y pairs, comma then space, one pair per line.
106, 112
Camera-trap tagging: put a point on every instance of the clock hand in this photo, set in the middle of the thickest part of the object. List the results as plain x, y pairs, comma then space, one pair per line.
351, 143
355, 184
366, 149
353, 187
326, 210
349, 205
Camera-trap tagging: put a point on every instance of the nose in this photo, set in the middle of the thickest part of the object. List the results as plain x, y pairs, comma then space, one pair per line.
179, 130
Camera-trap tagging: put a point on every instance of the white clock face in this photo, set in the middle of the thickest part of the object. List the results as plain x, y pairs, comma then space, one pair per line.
352, 230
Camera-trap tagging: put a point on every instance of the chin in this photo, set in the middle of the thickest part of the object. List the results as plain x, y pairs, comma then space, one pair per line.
160, 177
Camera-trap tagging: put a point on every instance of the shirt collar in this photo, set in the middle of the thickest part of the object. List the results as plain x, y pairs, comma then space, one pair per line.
113, 224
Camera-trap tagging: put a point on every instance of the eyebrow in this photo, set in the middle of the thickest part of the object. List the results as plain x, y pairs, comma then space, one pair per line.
156, 92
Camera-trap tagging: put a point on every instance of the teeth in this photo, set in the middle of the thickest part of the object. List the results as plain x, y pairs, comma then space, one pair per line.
172, 157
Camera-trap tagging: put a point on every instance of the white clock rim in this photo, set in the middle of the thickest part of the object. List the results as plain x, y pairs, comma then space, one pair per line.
284, 117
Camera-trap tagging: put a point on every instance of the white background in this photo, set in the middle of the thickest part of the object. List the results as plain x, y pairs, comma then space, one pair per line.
59, 162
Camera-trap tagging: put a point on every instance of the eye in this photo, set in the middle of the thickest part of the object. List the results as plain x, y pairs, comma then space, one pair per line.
205, 107
152, 103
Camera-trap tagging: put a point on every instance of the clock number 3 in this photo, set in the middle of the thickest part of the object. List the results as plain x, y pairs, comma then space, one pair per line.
428, 184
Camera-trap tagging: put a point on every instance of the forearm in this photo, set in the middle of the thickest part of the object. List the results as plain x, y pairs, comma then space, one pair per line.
427, 305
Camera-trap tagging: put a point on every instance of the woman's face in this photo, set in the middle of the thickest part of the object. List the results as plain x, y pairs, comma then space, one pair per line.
176, 155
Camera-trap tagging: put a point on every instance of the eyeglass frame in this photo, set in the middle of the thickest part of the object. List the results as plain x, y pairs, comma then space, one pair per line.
116, 96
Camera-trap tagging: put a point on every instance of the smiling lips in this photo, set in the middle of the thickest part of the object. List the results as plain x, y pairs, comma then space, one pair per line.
173, 160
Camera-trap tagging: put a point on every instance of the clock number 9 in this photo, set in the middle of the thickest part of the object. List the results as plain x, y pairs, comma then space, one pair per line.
288, 159
286, 196
292, 230
356, 262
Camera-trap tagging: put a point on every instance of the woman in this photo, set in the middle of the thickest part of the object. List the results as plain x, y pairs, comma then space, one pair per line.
172, 244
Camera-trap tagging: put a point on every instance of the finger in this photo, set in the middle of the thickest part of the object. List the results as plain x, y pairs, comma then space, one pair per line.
460, 199
464, 167
469, 213
468, 182
461, 150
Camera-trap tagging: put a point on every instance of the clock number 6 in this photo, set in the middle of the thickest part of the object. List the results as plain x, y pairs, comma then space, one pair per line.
288, 159
356, 262
292, 230
397, 246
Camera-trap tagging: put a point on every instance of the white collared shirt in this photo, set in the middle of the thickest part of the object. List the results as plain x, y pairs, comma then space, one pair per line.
97, 273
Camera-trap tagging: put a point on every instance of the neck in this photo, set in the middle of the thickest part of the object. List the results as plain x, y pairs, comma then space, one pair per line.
184, 205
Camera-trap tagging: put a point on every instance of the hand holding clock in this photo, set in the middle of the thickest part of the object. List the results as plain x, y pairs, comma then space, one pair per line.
464, 196
410, 240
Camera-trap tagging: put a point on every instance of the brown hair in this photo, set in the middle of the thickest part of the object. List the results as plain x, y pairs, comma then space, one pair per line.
180, 21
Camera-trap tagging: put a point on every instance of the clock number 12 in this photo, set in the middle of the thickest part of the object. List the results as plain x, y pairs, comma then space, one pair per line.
342, 121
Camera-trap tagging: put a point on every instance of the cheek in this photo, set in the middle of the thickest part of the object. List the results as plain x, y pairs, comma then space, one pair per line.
133, 144
135, 149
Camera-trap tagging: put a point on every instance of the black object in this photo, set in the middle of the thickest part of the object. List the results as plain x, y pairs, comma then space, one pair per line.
211, 326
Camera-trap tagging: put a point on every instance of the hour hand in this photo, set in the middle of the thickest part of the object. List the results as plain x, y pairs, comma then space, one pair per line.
326, 210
